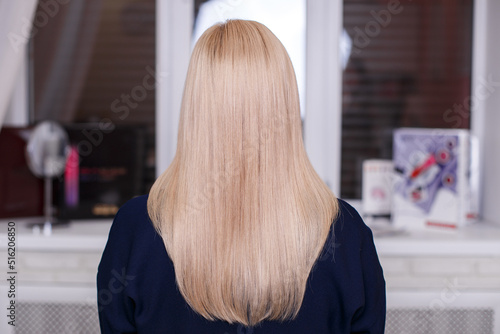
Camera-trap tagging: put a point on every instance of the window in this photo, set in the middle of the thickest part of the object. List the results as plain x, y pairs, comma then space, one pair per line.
409, 65
93, 70
285, 18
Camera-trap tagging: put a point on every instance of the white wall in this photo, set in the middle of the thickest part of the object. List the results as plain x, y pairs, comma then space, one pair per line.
322, 123
489, 117
173, 47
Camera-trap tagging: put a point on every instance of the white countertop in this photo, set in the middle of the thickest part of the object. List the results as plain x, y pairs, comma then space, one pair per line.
78, 235
480, 239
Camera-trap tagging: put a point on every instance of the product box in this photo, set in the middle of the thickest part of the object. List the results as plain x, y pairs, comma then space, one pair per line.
435, 181
376, 194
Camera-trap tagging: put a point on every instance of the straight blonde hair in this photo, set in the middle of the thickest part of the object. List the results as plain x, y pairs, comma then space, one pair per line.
241, 211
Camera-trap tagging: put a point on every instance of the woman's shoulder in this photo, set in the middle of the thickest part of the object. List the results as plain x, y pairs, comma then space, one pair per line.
134, 206
349, 222
132, 235
347, 235
133, 209
132, 220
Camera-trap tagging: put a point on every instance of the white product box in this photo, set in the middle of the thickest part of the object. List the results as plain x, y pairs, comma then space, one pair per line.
377, 187
434, 182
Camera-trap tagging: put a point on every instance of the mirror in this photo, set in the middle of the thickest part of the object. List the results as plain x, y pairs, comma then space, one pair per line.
46, 153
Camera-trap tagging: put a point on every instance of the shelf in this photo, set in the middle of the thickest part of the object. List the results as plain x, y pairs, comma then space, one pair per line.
80, 235
480, 239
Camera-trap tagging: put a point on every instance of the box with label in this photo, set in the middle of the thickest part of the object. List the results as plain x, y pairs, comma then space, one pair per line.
435, 179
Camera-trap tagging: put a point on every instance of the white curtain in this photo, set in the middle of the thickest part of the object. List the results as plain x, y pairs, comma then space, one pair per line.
59, 93
16, 19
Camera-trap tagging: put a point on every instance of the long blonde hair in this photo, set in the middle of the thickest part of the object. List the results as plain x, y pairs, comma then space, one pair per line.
241, 211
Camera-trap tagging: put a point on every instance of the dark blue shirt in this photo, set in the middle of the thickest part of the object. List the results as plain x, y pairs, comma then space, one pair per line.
137, 292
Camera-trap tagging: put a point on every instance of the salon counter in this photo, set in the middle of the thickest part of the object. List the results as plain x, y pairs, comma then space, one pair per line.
417, 256
457, 269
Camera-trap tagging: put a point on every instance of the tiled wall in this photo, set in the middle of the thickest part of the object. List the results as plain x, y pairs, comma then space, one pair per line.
56, 267
437, 272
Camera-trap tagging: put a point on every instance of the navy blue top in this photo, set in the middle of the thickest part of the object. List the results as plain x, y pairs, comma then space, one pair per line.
137, 292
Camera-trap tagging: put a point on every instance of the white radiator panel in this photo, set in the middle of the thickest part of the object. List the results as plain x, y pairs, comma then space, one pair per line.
67, 309
52, 310
449, 311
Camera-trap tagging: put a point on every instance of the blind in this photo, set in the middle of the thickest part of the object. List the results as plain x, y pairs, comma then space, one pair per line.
93, 61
